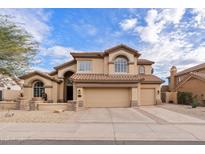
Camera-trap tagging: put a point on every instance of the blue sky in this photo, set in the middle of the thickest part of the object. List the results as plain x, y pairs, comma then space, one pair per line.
166, 36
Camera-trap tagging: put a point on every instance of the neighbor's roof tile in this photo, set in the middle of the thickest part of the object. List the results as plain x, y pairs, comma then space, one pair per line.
191, 69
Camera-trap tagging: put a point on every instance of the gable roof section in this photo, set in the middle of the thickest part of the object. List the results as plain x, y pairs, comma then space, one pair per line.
82, 77
65, 64
196, 75
122, 46
44, 75
191, 69
144, 62
102, 54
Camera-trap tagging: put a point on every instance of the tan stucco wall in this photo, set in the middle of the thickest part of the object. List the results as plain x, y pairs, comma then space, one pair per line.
196, 87
105, 65
148, 69
8, 105
53, 106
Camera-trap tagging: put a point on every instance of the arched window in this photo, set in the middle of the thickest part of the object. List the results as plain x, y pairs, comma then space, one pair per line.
141, 69
121, 65
38, 89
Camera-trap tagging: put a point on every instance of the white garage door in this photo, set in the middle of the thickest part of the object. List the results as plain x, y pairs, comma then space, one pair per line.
107, 97
147, 96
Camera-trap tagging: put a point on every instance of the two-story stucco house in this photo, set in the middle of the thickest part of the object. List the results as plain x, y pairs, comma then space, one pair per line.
189, 80
116, 77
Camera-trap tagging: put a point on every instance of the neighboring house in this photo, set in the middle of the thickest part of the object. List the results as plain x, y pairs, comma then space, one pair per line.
9, 89
189, 80
116, 77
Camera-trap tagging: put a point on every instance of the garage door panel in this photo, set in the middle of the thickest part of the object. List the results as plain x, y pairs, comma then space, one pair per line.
107, 97
147, 96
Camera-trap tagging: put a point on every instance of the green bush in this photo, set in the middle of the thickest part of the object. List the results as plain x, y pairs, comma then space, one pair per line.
184, 98
194, 103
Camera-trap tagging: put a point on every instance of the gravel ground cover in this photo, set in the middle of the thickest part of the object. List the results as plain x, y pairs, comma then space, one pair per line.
198, 112
34, 116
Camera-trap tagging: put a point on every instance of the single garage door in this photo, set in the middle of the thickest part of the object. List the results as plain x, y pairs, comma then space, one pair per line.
147, 96
107, 97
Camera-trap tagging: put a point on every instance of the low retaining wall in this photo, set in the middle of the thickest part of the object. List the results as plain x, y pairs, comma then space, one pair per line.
4, 105
54, 106
10, 94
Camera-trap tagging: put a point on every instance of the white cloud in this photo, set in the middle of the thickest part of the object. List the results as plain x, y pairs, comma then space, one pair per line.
170, 40
41, 69
57, 54
33, 20
128, 24
156, 23
172, 15
199, 18
56, 51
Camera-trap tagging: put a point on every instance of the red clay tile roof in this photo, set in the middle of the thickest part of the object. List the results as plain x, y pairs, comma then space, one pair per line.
115, 78
191, 69
144, 62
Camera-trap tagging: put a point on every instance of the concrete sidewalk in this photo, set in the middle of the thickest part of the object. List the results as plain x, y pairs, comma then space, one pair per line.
105, 131
111, 126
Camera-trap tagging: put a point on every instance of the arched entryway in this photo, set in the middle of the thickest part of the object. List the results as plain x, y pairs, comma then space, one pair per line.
68, 86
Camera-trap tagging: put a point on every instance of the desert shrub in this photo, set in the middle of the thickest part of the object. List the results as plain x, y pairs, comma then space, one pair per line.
184, 98
194, 102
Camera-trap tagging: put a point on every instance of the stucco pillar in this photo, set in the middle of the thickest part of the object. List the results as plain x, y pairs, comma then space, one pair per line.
134, 97
80, 97
74, 92
139, 93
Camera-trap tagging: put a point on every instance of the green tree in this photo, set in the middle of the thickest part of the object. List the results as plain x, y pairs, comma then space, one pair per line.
17, 48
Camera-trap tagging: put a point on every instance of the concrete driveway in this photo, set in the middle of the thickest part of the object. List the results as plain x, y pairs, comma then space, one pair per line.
111, 124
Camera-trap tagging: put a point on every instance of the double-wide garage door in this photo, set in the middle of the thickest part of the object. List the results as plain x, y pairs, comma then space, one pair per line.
107, 97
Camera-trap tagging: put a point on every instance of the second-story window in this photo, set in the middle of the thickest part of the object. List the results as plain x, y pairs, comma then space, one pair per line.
84, 66
121, 65
141, 69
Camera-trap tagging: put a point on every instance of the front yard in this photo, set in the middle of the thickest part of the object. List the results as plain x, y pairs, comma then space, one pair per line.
98, 114
198, 112
20, 116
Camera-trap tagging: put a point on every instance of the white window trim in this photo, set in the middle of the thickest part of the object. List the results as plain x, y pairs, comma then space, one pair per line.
33, 88
78, 67
140, 69
127, 67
